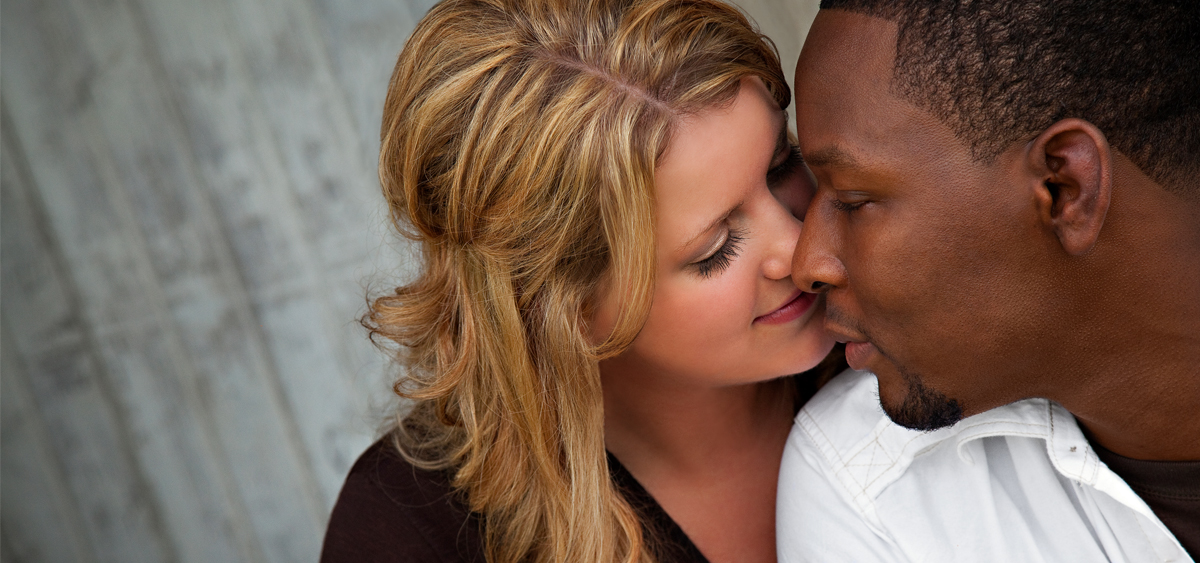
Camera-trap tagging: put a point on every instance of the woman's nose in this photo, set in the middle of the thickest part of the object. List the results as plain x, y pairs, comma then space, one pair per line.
816, 265
778, 264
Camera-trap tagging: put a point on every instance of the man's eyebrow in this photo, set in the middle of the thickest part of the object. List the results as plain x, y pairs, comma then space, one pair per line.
831, 157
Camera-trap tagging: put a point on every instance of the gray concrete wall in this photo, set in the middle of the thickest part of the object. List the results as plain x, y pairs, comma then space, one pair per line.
190, 213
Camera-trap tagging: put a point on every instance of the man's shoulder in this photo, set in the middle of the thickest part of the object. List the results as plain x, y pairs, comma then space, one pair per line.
1015, 483
844, 410
845, 419
844, 435
854, 486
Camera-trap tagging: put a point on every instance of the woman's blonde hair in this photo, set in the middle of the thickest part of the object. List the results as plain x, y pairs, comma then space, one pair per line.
520, 140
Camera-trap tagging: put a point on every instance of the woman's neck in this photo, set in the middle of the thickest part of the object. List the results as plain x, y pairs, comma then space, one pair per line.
708, 454
659, 424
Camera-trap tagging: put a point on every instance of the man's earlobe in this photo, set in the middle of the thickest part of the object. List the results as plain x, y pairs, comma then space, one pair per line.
1073, 162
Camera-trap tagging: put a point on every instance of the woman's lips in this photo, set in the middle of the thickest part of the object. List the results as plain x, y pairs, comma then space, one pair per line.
858, 354
790, 311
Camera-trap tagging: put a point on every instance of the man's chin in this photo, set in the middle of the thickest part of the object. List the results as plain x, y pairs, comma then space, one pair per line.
921, 417
921, 407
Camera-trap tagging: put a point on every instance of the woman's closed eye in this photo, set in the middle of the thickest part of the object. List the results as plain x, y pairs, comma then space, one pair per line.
791, 183
718, 260
784, 170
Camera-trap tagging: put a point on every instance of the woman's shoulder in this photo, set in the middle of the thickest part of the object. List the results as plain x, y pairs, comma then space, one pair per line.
390, 510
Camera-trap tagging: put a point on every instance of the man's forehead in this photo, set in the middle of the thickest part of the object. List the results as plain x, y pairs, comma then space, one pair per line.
847, 114
845, 68
842, 77
846, 45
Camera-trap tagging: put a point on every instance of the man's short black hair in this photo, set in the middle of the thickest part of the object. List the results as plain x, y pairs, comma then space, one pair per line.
999, 72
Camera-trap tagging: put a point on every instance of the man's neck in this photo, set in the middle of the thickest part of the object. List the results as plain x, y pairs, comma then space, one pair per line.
1137, 352
1151, 414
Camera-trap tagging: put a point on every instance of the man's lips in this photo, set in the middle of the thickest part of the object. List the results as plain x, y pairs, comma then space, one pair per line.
858, 349
795, 307
859, 353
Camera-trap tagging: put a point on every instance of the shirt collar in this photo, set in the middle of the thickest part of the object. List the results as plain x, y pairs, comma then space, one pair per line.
1068, 449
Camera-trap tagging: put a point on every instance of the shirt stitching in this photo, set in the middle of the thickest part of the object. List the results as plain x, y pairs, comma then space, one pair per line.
825, 441
809, 425
848, 462
1150, 542
893, 461
992, 422
1050, 449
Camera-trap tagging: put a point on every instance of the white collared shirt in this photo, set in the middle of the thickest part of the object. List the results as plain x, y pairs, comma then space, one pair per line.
1019, 483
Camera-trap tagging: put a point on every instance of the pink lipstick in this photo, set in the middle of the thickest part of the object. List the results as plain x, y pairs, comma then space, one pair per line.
790, 311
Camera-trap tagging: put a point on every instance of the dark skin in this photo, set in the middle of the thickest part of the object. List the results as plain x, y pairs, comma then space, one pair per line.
1056, 270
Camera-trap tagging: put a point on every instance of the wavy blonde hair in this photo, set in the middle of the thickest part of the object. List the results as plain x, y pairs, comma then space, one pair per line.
520, 140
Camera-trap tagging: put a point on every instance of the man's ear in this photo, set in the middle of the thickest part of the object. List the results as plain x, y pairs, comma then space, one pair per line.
1073, 163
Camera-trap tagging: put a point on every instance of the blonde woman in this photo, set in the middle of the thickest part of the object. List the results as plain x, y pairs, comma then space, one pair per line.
599, 347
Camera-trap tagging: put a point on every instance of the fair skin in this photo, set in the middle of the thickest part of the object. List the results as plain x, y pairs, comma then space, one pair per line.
694, 408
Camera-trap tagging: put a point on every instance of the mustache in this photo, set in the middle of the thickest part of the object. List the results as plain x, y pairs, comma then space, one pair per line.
840, 319
846, 323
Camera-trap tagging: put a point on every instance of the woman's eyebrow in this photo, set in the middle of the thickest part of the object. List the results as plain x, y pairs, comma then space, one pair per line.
782, 144
692, 240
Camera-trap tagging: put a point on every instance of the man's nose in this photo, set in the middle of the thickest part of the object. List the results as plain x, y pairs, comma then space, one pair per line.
816, 265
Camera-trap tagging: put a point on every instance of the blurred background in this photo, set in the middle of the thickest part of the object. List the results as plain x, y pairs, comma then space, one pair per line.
190, 223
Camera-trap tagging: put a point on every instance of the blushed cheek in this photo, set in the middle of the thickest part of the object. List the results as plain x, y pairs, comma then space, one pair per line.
701, 315
686, 342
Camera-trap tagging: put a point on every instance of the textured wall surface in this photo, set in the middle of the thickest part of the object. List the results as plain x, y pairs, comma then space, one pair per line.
190, 215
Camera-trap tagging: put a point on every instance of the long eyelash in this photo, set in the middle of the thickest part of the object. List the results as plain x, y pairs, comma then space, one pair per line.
785, 169
721, 259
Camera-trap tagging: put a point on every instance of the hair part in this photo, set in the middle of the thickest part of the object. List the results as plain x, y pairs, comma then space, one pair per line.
999, 73
519, 144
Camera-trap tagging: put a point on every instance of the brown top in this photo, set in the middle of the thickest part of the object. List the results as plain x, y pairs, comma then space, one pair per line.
1170, 488
390, 511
